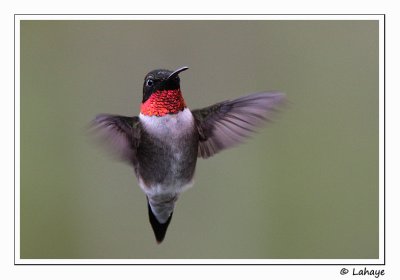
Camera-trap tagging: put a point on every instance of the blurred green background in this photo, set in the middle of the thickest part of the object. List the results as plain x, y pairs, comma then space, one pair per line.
306, 186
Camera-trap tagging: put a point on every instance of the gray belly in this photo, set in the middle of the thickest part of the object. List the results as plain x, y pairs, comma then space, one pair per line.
165, 165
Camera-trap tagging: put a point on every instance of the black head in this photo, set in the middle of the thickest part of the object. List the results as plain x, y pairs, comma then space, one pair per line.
161, 79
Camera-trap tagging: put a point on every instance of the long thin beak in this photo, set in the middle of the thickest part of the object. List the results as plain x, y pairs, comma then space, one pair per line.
177, 71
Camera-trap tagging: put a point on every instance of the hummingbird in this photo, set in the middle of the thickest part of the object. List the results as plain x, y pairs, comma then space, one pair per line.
163, 142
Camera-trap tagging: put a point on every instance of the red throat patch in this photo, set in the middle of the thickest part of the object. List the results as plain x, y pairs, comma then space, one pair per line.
163, 102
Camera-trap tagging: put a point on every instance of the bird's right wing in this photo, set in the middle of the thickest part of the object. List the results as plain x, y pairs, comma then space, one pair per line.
119, 133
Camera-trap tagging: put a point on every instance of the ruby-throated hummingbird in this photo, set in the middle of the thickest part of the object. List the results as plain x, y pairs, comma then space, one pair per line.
165, 140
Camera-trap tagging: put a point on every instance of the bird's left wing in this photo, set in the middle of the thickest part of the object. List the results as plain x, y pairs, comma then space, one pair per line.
119, 133
228, 123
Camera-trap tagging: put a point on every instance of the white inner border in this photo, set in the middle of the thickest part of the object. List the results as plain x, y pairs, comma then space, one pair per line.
380, 18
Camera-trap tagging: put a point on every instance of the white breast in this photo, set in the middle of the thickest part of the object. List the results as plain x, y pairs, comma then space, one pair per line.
173, 125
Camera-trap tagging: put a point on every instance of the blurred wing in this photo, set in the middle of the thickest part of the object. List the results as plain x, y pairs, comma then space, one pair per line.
228, 123
120, 134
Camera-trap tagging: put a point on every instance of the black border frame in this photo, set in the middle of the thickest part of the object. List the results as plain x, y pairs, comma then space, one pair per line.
232, 264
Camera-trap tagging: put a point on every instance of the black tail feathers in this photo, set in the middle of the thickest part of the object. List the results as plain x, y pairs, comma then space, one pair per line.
159, 229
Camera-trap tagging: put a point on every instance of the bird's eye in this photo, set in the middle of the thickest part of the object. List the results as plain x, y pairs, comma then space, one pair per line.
149, 82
